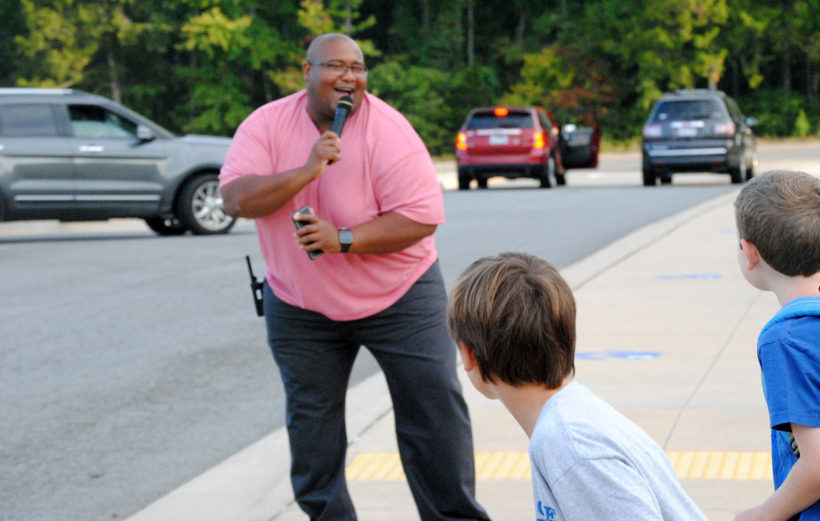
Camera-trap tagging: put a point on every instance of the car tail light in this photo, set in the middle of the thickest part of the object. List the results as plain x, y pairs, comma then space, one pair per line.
724, 129
461, 141
501, 112
538, 140
652, 131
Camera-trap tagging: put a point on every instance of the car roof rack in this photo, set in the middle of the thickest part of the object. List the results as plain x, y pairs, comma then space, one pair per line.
25, 91
694, 92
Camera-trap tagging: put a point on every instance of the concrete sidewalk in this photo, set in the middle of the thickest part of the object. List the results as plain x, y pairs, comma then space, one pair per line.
667, 331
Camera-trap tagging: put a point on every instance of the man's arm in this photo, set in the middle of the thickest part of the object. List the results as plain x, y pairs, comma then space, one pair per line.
386, 234
259, 195
801, 489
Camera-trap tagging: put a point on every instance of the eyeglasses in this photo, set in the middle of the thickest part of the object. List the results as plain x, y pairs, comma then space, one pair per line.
340, 69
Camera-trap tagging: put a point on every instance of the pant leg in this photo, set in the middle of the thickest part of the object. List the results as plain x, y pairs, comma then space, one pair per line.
315, 361
411, 343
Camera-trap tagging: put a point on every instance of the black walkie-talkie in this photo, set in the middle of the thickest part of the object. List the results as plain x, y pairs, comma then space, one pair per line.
256, 289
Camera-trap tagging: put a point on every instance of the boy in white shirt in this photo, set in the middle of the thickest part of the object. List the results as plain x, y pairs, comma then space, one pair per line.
513, 317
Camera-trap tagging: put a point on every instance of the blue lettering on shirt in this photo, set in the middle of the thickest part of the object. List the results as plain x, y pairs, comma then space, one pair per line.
547, 513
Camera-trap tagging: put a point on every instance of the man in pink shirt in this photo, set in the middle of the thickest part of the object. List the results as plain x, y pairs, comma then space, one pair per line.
377, 283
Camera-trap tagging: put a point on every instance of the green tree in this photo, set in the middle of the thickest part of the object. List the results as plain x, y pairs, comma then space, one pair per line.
64, 36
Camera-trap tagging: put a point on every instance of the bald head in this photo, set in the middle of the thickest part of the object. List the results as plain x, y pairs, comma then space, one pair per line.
315, 48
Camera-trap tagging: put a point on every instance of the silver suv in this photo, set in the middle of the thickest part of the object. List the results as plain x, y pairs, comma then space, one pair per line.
698, 130
69, 155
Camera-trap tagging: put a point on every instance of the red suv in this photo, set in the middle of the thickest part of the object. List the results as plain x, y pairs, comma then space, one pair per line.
521, 142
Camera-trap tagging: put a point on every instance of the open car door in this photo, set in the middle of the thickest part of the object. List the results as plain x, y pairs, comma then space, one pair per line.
580, 140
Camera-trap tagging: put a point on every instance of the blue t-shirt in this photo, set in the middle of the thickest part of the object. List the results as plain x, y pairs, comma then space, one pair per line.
788, 350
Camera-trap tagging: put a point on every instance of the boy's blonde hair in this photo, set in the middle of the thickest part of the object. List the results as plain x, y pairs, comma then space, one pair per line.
779, 212
516, 314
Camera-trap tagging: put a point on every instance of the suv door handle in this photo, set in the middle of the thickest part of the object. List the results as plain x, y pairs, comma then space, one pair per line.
91, 148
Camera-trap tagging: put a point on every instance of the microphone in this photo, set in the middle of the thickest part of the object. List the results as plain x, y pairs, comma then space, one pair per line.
342, 111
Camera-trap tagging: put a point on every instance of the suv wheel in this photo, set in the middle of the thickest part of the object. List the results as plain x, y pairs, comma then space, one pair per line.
648, 174
165, 227
751, 169
738, 174
547, 174
463, 178
200, 206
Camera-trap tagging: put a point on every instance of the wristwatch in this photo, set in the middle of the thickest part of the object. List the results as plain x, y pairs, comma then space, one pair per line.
345, 239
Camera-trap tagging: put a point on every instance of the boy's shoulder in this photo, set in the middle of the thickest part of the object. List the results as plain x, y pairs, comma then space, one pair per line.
801, 313
575, 424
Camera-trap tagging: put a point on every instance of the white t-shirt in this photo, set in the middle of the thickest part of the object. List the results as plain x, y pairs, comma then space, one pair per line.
591, 463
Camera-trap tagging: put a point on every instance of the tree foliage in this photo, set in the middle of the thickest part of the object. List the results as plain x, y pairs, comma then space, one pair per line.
203, 65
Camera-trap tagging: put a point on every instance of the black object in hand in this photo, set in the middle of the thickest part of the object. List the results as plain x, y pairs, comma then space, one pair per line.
305, 210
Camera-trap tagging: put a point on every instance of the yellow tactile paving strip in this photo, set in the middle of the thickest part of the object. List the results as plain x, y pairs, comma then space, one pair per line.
735, 465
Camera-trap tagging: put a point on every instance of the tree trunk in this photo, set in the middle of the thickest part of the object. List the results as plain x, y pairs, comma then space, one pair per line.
470, 32
348, 21
734, 79
519, 32
786, 69
113, 78
425, 16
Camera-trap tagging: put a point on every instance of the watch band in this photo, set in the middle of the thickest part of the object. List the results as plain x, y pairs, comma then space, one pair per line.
345, 239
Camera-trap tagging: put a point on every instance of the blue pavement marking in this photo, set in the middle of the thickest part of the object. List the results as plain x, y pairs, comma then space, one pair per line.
623, 355
690, 276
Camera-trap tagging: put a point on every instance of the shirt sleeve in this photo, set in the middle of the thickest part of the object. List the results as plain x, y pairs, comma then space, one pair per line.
249, 152
605, 489
410, 187
791, 379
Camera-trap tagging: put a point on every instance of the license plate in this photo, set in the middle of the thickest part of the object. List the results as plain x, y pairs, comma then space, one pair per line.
687, 132
499, 140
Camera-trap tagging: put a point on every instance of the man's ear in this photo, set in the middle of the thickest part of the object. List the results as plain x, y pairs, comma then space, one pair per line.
750, 253
467, 356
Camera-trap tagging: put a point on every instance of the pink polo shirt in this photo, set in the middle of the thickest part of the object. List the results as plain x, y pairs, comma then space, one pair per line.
385, 168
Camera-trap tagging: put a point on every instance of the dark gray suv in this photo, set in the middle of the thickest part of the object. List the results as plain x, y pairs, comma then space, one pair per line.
698, 130
69, 155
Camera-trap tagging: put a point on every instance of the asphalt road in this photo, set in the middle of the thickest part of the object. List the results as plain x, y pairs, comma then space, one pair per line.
131, 363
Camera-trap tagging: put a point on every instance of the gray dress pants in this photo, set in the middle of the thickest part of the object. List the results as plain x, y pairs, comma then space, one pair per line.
410, 342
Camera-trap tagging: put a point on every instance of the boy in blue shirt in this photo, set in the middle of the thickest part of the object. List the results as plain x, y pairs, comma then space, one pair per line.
778, 222
513, 317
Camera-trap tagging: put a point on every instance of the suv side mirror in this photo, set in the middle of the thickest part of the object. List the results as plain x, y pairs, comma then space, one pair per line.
751, 121
145, 134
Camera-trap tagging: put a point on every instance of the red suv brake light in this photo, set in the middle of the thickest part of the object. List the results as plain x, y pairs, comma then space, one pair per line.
501, 112
461, 141
538, 140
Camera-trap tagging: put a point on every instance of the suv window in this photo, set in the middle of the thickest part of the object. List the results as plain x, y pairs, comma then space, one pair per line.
490, 120
89, 121
734, 110
687, 110
27, 121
